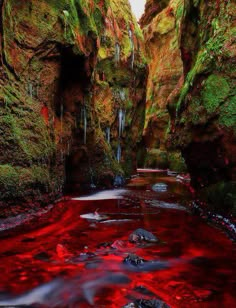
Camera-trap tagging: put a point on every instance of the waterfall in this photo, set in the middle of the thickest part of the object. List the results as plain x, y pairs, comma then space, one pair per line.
30, 90
92, 184
117, 53
84, 119
132, 47
108, 135
123, 123
118, 154
122, 94
121, 119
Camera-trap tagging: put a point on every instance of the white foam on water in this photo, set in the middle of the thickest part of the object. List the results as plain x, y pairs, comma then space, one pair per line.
166, 205
103, 195
94, 216
115, 221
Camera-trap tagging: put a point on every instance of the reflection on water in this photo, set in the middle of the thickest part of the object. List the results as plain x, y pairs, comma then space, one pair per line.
66, 257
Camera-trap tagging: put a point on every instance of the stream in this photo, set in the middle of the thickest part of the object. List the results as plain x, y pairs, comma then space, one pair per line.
78, 253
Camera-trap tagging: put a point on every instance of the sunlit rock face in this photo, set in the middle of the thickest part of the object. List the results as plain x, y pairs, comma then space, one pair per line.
192, 75
161, 27
66, 69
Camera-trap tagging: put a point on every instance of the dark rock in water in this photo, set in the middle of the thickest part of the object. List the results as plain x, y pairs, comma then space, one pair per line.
144, 291
119, 181
142, 235
145, 303
43, 256
160, 187
104, 245
133, 259
135, 263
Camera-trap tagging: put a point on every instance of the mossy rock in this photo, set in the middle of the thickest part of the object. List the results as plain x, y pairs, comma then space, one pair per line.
215, 91
17, 182
156, 158
176, 162
228, 114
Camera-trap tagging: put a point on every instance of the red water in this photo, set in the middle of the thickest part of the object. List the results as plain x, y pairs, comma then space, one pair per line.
201, 258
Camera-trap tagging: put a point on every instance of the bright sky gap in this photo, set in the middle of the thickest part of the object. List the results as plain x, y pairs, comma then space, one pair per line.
138, 7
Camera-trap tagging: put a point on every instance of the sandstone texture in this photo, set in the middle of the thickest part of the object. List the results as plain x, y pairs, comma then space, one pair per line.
68, 70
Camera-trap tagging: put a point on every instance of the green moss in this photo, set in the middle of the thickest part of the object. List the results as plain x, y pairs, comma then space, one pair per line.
118, 76
212, 49
8, 180
23, 132
214, 92
17, 182
176, 162
228, 113
156, 158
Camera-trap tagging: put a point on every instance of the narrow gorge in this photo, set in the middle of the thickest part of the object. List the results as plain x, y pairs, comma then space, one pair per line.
116, 118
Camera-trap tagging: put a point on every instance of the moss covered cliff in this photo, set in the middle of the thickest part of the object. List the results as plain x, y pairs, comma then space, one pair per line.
67, 68
73, 77
191, 103
160, 25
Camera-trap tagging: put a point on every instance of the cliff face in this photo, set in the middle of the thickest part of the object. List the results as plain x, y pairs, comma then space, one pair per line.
71, 95
204, 110
162, 38
192, 75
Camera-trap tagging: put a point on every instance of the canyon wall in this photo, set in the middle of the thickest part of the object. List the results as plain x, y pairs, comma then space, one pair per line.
192, 76
72, 95
162, 38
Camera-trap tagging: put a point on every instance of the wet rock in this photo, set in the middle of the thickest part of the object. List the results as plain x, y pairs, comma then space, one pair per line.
142, 235
160, 187
42, 256
119, 245
144, 291
104, 245
134, 260
83, 257
135, 263
146, 303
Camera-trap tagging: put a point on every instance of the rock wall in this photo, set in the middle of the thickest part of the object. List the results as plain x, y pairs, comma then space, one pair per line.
192, 75
160, 25
204, 110
71, 95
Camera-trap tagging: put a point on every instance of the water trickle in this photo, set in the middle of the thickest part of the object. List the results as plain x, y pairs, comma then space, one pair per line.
108, 134
30, 90
123, 123
121, 119
84, 119
92, 184
118, 154
122, 94
131, 47
117, 53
